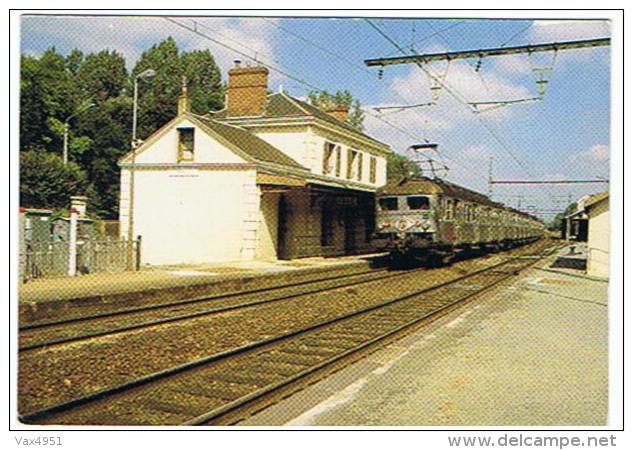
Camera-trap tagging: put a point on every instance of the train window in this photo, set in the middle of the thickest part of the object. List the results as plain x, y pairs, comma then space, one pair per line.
418, 202
388, 203
448, 209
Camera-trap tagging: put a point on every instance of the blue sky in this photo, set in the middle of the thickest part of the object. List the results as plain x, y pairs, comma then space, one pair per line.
566, 135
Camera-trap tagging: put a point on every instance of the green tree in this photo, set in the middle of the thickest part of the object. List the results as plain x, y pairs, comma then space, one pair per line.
158, 96
204, 81
49, 93
108, 128
325, 100
74, 61
45, 182
54, 87
557, 223
103, 75
400, 166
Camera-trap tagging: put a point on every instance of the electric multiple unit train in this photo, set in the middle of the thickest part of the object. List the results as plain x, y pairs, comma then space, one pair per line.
428, 217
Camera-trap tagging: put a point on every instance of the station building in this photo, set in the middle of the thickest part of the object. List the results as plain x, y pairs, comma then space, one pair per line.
599, 235
269, 177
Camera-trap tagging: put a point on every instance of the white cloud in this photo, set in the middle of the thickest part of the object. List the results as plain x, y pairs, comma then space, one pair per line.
596, 153
591, 162
477, 153
518, 64
131, 35
567, 30
468, 85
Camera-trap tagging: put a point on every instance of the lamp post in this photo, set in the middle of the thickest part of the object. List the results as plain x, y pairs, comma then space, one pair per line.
81, 110
130, 228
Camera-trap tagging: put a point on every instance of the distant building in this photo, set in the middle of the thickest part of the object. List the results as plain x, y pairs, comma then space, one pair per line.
269, 177
35, 224
597, 210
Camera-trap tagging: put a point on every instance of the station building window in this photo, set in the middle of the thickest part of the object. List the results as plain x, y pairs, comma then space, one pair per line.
372, 169
329, 158
360, 167
185, 144
352, 164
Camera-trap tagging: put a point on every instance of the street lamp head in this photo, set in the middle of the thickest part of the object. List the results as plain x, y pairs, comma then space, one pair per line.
147, 73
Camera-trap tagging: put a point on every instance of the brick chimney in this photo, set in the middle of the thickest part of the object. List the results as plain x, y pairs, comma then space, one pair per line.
247, 90
339, 112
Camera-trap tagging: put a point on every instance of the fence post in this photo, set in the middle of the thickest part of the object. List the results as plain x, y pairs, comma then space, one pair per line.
72, 244
138, 252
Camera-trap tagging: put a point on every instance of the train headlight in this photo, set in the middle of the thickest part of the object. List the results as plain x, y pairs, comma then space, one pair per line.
384, 225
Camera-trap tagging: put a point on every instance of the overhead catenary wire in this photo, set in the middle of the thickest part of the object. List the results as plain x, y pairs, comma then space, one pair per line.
517, 34
459, 97
302, 81
455, 94
319, 47
380, 109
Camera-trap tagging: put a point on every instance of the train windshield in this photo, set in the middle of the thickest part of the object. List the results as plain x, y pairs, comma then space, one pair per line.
418, 203
388, 203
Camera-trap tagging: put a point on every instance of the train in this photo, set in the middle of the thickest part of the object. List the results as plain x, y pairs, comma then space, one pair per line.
432, 219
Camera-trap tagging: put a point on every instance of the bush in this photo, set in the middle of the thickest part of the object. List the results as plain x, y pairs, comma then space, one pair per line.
45, 182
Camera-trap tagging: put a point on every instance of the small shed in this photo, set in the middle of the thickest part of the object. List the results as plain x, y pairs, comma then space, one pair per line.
36, 224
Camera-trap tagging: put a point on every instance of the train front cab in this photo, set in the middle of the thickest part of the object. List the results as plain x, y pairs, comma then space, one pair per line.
405, 222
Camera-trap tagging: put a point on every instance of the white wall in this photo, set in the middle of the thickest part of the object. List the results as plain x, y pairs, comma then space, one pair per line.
306, 146
206, 149
598, 240
293, 141
190, 215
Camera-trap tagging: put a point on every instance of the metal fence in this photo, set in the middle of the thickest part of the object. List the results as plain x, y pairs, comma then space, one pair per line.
49, 259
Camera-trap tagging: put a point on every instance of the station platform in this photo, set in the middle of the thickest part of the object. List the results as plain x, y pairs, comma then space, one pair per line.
44, 299
532, 351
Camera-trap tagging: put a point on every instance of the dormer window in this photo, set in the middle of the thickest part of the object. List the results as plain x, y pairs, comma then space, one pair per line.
185, 144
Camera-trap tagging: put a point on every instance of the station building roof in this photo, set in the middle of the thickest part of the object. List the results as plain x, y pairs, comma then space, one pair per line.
282, 105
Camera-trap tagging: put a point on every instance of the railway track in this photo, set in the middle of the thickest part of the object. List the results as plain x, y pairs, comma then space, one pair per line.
37, 336
226, 387
51, 333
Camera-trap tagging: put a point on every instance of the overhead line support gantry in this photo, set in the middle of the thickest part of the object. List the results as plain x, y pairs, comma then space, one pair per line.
482, 53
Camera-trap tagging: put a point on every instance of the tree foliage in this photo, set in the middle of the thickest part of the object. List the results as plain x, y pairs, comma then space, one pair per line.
46, 182
158, 95
557, 223
400, 166
325, 101
55, 89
